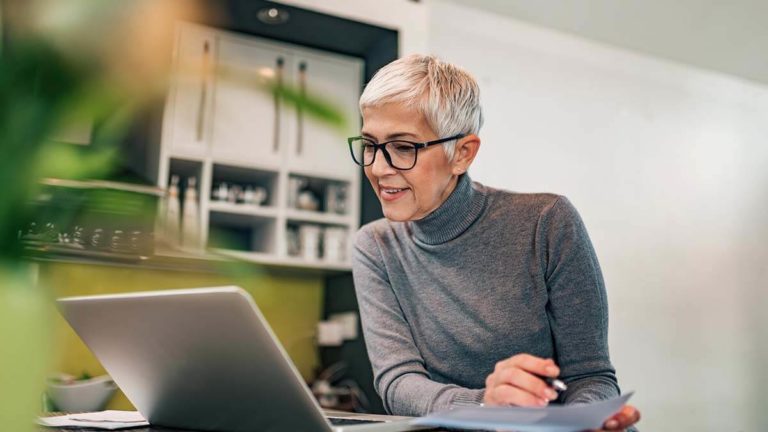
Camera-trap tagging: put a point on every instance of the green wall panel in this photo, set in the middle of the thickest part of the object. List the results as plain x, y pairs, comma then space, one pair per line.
290, 301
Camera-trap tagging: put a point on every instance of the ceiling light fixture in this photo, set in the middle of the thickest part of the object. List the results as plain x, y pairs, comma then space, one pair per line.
273, 16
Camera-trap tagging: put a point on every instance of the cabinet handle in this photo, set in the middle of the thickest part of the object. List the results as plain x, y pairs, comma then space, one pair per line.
203, 90
299, 110
276, 96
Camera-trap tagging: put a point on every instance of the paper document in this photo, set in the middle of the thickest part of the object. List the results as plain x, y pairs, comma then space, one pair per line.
109, 420
556, 418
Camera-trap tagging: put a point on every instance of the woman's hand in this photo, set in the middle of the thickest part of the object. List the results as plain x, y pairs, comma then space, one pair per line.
514, 381
623, 419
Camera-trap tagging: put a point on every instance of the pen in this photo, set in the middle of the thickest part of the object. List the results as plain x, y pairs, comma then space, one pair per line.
555, 383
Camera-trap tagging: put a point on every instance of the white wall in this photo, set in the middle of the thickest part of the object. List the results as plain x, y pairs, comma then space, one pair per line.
668, 166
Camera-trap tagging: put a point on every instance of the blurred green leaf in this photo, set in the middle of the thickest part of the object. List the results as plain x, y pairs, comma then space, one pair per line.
314, 106
67, 163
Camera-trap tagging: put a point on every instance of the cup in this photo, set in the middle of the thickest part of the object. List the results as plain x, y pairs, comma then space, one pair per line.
335, 244
309, 237
259, 195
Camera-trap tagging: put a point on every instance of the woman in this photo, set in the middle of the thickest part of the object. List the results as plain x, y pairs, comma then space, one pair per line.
468, 294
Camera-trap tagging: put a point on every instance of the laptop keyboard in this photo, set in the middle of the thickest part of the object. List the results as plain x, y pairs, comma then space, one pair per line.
338, 421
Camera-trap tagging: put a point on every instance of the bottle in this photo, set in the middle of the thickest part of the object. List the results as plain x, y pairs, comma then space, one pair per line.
190, 222
172, 212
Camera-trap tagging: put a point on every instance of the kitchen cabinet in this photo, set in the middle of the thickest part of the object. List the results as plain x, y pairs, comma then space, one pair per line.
248, 119
273, 182
313, 147
189, 109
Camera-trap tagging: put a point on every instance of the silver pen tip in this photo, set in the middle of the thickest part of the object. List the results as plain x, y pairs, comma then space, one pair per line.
559, 385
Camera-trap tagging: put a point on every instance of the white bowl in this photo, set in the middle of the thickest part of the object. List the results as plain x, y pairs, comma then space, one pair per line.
82, 396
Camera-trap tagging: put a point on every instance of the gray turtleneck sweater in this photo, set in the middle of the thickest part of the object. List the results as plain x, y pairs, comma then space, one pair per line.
487, 275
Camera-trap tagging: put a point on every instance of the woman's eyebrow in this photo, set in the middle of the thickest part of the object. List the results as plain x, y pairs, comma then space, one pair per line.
400, 135
392, 136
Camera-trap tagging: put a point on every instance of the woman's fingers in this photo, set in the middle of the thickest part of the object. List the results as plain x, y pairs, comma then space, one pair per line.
526, 381
533, 364
509, 395
628, 416
517, 381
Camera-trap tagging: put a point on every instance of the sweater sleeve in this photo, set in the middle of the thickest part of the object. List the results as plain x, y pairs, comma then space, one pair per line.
577, 307
400, 375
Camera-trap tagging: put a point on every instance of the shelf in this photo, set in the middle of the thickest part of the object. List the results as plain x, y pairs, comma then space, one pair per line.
54, 249
318, 217
104, 184
242, 209
338, 178
268, 259
163, 259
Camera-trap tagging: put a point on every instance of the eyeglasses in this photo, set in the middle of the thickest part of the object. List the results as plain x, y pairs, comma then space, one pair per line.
399, 154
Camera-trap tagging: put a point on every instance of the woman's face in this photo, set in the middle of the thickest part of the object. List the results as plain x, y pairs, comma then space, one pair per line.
407, 195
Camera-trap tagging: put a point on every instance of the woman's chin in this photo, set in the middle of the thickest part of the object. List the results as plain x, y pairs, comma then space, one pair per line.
395, 214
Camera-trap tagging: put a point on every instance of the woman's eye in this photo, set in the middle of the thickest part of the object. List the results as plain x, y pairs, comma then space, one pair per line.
402, 148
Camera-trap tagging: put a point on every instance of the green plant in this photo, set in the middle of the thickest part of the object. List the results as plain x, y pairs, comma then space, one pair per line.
57, 69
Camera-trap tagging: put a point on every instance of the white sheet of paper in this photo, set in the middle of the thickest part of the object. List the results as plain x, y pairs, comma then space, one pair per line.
556, 418
110, 420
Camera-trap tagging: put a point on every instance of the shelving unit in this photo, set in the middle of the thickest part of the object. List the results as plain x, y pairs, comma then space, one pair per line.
317, 217
242, 209
268, 176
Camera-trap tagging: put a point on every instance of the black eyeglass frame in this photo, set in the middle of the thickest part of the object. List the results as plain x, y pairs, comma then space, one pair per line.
382, 146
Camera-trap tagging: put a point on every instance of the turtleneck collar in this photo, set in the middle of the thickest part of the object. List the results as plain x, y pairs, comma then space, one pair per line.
460, 210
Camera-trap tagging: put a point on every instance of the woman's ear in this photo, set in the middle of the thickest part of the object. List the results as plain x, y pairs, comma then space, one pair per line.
464, 153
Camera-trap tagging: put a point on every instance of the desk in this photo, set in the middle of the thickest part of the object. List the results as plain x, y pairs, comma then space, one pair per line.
332, 413
140, 429
161, 429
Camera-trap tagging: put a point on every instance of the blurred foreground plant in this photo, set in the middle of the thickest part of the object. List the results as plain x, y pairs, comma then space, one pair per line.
62, 64
42, 92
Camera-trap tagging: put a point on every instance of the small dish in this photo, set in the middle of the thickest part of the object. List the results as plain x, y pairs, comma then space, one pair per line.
83, 395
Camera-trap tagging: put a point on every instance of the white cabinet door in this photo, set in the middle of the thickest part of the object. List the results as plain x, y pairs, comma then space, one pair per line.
247, 124
316, 148
190, 96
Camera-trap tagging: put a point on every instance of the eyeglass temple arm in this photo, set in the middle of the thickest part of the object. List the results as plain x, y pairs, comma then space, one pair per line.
440, 141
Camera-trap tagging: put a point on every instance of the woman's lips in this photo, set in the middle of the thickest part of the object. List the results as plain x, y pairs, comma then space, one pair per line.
392, 194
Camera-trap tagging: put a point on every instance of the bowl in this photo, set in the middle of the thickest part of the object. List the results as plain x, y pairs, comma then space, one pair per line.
83, 395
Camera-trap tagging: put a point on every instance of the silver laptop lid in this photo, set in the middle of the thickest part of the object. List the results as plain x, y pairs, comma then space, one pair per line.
202, 359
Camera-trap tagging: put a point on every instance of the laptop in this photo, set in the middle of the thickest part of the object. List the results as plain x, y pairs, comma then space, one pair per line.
204, 359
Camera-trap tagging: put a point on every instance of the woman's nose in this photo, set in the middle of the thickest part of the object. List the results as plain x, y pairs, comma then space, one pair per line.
380, 165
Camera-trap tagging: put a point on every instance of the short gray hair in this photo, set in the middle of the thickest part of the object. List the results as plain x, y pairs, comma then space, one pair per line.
447, 96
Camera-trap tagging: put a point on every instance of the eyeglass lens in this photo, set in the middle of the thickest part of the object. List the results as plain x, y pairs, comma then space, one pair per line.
402, 155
